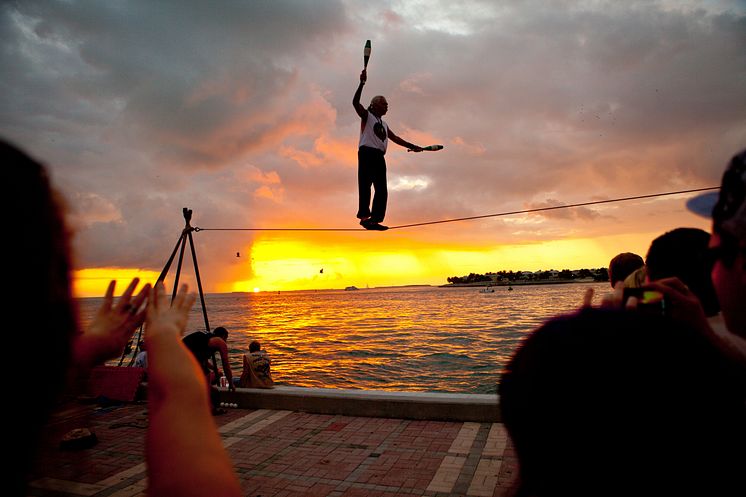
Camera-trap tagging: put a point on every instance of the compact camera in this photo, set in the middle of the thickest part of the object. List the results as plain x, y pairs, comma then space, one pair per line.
648, 301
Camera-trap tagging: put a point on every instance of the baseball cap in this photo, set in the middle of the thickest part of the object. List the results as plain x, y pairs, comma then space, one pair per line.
727, 208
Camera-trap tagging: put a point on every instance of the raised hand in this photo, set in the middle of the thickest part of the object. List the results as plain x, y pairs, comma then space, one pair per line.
364, 76
164, 319
112, 326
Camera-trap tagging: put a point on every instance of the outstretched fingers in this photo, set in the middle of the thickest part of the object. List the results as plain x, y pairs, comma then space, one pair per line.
169, 318
109, 296
181, 297
159, 291
140, 297
138, 311
123, 304
588, 297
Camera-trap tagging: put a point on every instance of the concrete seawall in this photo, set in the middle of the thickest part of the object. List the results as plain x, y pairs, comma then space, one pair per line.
481, 408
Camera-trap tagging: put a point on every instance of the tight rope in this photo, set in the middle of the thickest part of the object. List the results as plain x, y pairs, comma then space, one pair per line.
470, 218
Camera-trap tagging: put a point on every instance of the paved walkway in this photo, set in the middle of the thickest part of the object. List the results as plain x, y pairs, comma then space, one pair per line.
288, 454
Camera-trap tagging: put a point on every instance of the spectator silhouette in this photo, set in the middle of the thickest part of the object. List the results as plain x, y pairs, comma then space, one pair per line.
728, 244
622, 265
40, 275
607, 402
683, 253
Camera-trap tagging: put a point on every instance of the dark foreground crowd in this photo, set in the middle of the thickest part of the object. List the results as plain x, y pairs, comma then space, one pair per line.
642, 395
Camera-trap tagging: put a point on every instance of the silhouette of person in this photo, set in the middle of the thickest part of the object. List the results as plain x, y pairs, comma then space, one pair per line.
622, 265
589, 392
41, 281
371, 170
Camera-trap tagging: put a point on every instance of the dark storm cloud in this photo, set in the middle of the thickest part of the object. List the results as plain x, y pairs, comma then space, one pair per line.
242, 109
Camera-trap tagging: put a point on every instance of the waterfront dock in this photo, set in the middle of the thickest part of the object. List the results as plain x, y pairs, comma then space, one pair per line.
288, 453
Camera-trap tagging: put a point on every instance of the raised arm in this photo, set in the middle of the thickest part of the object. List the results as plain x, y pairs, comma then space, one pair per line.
361, 111
185, 455
223, 350
404, 143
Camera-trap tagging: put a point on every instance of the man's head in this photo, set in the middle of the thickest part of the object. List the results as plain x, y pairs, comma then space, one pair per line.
378, 105
623, 265
254, 346
683, 253
221, 332
587, 392
728, 242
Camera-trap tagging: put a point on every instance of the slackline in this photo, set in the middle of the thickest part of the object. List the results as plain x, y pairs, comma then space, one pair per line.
470, 218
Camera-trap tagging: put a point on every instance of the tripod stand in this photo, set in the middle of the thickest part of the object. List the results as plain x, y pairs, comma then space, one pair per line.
186, 235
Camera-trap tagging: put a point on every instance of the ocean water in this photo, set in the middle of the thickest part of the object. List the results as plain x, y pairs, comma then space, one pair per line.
411, 338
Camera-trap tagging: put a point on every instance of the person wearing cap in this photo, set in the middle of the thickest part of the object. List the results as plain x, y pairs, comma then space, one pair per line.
727, 250
728, 245
587, 393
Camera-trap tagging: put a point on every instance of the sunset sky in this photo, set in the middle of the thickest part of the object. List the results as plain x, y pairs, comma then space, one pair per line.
242, 112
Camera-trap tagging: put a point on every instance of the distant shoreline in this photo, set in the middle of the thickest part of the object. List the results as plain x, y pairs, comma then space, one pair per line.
519, 283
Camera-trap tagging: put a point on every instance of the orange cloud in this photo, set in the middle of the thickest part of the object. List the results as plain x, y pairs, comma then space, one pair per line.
273, 194
471, 148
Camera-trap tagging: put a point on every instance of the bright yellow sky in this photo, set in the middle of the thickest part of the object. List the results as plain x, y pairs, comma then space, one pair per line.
296, 265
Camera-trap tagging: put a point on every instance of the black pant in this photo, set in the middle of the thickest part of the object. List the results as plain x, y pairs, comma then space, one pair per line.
371, 170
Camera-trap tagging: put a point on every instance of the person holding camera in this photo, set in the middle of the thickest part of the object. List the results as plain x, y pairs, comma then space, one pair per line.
587, 394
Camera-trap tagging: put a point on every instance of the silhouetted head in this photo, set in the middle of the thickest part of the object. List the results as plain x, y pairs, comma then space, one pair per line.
623, 265
378, 105
621, 403
221, 332
39, 299
683, 253
728, 244
727, 208
254, 346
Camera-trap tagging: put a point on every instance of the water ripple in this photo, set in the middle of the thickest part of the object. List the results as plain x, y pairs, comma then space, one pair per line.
417, 339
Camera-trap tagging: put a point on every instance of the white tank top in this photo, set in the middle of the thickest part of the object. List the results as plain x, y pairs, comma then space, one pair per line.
368, 136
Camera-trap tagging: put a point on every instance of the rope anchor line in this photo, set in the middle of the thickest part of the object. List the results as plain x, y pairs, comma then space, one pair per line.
484, 216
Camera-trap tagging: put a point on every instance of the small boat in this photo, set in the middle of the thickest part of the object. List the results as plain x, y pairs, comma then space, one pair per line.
351, 288
487, 290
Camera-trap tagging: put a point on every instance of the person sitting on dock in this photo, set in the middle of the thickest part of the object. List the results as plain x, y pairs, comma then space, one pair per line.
141, 361
256, 368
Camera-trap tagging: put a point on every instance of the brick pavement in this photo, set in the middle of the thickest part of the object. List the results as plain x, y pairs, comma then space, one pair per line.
288, 454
